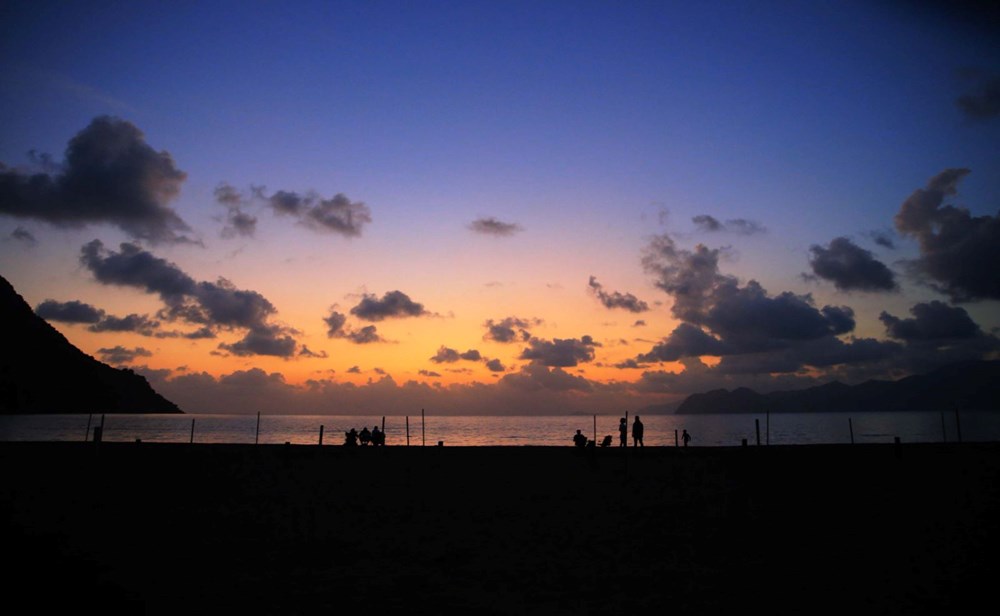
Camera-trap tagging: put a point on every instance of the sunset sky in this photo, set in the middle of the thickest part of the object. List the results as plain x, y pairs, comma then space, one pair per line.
502, 207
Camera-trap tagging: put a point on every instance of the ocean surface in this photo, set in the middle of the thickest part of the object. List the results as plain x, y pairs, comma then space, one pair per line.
720, 430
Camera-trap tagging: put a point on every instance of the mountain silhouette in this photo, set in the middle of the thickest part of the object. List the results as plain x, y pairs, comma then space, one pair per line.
971, 385
41, 372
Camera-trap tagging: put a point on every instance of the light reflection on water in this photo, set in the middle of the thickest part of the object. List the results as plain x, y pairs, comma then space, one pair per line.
706, 430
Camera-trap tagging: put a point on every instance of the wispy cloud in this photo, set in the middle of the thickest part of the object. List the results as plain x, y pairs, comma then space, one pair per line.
492, 226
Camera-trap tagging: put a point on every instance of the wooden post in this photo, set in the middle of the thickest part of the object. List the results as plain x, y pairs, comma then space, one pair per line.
256, 435
595, 430
626, 428
407, 430
944, 435
423, 433
958, 427
321, 435
192, 430
756, 422
677, 443
850, 426
86, 435
383, 424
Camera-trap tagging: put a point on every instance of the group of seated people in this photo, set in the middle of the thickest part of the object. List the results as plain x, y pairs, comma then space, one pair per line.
580, 440
374, 438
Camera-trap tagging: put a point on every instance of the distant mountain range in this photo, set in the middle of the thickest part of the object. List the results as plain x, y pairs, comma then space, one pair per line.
41, 372
973, 385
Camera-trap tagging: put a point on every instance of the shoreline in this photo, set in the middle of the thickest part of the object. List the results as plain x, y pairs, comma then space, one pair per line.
165, 527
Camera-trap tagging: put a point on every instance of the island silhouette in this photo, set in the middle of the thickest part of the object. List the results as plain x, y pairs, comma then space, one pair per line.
42, 372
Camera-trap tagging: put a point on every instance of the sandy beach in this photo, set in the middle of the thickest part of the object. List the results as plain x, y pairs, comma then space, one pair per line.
169, 528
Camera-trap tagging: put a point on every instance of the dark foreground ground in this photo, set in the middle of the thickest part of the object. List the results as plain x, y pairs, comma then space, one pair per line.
167, 529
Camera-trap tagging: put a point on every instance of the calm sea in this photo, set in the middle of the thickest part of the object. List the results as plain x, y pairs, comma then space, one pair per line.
706, 430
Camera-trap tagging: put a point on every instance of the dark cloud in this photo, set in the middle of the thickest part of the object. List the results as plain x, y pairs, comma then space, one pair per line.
337, 328
885, 239
615, 299
510, 329
211, 304
492, 226
739, 226
958, 252
445, 355
135, 267
691, 278
337, 214
429, 373
201, 333
137, 323
121, 355
936, 335
335, 324
307, 352
558, 352
24, 236
110, 176
394, 304
639, 323
238, 222
750, 319
495, 365
69, 312
627, 364
536, 377
746, 318
366, 335
354, 370
749, 329
934, 320
983, 102
817, 353
850, 267
685, 341
267, 340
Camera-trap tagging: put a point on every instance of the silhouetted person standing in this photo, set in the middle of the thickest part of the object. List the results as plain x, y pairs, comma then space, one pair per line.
685, 437
637, 433
378, 437
623, 432
579, 439
365, 436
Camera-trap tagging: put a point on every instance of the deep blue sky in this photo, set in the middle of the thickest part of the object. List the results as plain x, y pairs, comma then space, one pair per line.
589, 128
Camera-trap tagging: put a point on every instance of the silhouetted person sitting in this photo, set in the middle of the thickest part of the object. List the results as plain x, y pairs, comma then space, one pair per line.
607, 441
637, 432
378, 437
579, 439
623, 432
685, 437
351, 438
365, 436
